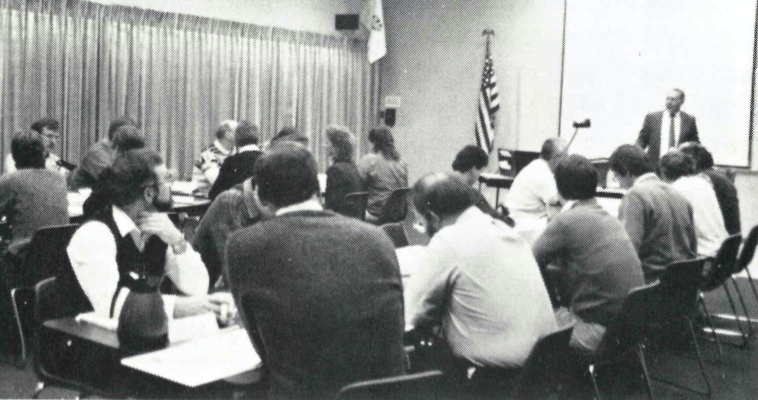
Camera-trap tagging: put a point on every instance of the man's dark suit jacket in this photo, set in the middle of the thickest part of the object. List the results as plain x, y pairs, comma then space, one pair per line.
322, 299
650, 135
234, 170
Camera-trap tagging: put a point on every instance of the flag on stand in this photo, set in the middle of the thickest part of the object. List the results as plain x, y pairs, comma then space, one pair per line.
372, 18
488, 106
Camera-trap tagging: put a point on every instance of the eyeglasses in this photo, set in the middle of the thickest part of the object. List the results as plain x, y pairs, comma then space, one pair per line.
52, 136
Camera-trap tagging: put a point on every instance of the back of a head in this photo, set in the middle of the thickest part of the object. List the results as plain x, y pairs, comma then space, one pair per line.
576, 178
123, 182
286, 175
27, 150
246, 134
702, 157
342, 141
225, 127
630, 159
441, 193
290, 134
118, 123
675, 164
470, 157
384, 142
552, 148
47, 122
128, 137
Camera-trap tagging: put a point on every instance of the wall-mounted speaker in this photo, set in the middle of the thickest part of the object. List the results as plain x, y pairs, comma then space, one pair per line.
346, 22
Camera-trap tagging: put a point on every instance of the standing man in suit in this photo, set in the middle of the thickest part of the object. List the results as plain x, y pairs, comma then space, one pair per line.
664, 130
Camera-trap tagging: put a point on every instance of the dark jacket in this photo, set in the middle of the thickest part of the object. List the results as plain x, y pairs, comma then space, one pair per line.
726, 194
322, 299
650, 134
342, 178
234, 170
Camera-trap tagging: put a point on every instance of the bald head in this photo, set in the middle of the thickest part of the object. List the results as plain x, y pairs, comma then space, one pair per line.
443, 194
553, 148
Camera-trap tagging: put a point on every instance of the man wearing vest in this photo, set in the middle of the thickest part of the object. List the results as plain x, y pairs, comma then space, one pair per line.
121, 255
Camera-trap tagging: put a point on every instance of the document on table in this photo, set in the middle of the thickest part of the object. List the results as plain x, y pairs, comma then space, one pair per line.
202, 360
411, 258
179, 329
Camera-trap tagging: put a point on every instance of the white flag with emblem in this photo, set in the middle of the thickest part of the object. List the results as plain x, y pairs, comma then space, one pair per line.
372, 18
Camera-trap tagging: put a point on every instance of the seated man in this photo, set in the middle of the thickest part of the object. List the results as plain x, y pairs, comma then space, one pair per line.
591, 249
322, 293
238, 167
232, 210
208, 163
481, 282
657, 218
99, 157
48, 130
120, 256
469, 163
678, 169
32, 197
534, 189
726, 192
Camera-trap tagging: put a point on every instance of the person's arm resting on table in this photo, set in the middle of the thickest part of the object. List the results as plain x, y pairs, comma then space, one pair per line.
550, 244
632, 216
428, 288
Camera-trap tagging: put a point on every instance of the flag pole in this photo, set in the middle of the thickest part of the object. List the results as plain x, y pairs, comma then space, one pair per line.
488, 33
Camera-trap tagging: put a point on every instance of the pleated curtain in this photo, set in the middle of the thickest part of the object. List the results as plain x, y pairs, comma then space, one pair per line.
177, 75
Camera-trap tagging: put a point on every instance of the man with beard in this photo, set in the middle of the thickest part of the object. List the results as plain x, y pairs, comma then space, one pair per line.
120, 256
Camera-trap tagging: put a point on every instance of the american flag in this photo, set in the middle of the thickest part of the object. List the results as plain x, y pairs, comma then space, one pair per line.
488, 106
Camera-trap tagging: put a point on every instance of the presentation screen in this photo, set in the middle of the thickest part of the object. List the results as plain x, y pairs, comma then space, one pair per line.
622, 57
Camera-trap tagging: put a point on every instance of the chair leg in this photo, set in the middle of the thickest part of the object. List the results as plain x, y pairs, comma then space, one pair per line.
699, 358
38, 390
734, 310
640, 350
591, 370
713, 327
21, 337
752, 284
744, 307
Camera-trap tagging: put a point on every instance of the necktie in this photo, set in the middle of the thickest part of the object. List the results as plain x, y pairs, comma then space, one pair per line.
672, 138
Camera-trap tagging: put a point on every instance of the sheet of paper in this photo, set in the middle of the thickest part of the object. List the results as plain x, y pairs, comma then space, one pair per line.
411, 258
179, 330
110, 324
202, 360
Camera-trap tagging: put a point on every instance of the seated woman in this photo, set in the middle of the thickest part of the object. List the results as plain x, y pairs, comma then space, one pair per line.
342, 177
382, 171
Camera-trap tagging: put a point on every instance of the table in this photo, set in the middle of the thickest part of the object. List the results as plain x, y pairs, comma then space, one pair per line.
185, 369
498, 182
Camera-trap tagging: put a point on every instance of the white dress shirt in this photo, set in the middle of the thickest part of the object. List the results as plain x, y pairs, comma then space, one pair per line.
482, 281
531, 192
92, 252
709, 222
665, 129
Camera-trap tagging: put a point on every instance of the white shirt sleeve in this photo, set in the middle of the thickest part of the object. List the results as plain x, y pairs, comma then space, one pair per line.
427, 287
10, 164
187, 271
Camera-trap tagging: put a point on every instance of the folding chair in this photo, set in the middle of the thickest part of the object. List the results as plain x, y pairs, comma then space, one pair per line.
355, 205
44, 256
395, 208
746, 257
723, 267
423, 385
543, 371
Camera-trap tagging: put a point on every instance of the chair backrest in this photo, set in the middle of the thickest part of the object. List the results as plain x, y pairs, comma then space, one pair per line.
543, 368
396, 207
46, 253
639, 311
355, 205
748, 249
724, 263
680, 285
424, 385
396, 232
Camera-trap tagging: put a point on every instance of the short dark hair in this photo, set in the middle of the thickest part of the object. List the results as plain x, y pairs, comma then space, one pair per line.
47, 122
383, 141
27, 150
128, 137
576, 178
630, 159
124, 181
703, 158
342, 141
290, 134
441, 193
469, 157
680, 91
246, 134
286, 175
675, 164
551, 148
118, 123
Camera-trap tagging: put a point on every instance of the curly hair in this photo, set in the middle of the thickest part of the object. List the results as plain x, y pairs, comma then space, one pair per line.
343, 143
